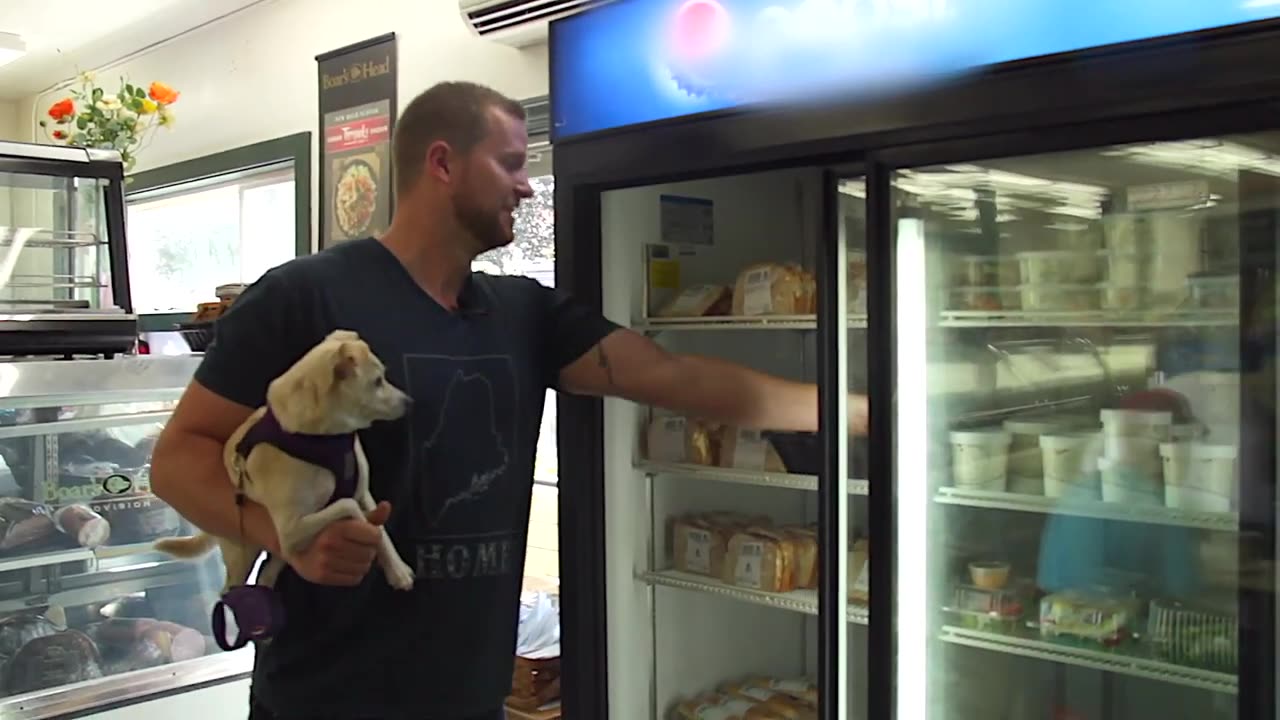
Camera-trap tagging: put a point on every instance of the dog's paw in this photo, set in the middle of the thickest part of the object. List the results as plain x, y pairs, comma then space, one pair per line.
400, 575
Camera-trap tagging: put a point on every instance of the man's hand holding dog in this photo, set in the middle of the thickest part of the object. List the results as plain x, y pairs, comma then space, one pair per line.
342, 553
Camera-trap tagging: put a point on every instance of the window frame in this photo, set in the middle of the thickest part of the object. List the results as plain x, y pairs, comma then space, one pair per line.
294, 148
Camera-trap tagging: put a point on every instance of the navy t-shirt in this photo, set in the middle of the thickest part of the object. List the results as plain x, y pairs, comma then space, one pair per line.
458, 471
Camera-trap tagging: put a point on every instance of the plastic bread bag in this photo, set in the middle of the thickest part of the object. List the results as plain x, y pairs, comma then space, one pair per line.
538, 637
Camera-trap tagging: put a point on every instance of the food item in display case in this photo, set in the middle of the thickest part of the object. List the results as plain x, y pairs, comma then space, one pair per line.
21, 628
134, 643
979, 459
1086, 615
774, 289
1190, 635
1042, 297
1116, 296
136, 517
1126, 269
674, 439
26, 526
62, 658
989, 575
1199, 476
982, 298
701, 540
1069, 470
88, 528
1056, 267
1214, 291
755, 698
698, 301
761, 559
859, 571
746, 449
806, 544
1025, 456
983, 609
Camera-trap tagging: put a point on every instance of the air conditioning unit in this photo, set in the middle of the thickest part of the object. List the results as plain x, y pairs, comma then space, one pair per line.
518, 23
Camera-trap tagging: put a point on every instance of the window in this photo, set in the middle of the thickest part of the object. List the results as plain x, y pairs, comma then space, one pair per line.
533, 255
191, 240
226, 218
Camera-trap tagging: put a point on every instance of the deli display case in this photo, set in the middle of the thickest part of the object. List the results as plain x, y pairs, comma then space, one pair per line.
1042, 241
91, 616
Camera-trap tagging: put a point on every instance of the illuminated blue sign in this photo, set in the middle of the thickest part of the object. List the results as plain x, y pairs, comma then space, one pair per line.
635, 61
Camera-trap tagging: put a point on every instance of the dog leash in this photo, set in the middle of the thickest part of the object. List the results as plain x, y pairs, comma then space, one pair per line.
257, 610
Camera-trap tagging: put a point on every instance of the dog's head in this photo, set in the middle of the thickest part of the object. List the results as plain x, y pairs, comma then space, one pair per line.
338, 386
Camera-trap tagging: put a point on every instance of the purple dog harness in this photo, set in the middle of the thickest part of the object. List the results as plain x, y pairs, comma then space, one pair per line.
257, 610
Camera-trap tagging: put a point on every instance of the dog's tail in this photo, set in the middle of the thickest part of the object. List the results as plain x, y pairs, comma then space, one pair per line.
188, 548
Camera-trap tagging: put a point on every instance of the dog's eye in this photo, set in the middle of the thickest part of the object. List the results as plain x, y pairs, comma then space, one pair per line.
379, 382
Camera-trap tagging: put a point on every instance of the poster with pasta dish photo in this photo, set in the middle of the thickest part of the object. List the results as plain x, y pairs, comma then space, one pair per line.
357, 112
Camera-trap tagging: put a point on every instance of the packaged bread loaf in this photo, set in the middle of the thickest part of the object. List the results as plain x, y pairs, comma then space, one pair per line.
761, 559
698, 301
674, 439
799, 688
769, 703
774, 289
806, 550
700, 541
860, 571
746, 449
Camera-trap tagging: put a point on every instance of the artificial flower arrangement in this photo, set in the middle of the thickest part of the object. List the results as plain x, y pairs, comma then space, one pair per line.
93, 118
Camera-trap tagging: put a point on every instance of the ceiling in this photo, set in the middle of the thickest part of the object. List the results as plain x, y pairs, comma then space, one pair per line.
64, 37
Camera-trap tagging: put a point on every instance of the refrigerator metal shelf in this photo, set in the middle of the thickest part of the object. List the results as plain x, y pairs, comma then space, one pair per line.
801, 601
744, 477
764, 322
1153, 514
1131, 662
1019, 318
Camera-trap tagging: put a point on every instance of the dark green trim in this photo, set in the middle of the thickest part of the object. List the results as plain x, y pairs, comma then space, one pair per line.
296, 148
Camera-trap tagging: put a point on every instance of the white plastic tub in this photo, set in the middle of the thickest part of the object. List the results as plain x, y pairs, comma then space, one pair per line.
979, 459
1024, 451
1141, 452
1124, 268
1199, 477
1152, 424
1063, 457
1128, 484
1040, 297
1117, 296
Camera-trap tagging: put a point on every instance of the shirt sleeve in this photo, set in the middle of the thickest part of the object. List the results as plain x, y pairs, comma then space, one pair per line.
573, 329
255, 341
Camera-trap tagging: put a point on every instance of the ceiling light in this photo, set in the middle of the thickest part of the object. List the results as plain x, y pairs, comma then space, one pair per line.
11, 48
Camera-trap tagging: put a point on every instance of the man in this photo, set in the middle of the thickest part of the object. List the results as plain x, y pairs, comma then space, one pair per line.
477, 354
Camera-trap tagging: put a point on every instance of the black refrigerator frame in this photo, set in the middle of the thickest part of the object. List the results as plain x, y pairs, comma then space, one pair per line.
1206, 83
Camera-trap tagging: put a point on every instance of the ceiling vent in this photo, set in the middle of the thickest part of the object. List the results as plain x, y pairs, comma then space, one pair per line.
518, 23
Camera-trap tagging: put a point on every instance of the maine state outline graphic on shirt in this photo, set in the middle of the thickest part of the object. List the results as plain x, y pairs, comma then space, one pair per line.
463, 443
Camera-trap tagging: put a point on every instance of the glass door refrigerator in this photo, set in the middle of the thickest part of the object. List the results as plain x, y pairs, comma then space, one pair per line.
1044, 250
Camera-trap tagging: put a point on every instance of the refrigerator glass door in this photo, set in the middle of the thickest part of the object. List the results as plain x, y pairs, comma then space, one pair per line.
713, 539
1083, 500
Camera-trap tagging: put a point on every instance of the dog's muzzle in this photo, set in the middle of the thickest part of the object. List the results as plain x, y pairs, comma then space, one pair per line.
257, 611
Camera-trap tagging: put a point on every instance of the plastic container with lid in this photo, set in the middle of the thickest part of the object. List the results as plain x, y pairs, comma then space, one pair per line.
979, 459
1115, 296
1199, 477
1129, 484
1064, 456
1058, 298
1024, 449
1213, 291
1048, 267
986, 298
1152, 424
1124, 268
975, 270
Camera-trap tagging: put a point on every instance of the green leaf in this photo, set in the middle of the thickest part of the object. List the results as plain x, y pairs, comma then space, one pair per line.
44, 124
82, 122
97, 94
136, 105
140, 93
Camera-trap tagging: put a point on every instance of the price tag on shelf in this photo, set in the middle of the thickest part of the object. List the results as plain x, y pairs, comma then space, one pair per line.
697, 551
749, 450
757, 292
747, 571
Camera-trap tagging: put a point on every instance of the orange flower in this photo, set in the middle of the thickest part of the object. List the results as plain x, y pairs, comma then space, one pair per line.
59, 135
62, 109
163, 94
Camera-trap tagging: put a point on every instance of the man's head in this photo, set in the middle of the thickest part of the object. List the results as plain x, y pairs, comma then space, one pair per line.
463, 146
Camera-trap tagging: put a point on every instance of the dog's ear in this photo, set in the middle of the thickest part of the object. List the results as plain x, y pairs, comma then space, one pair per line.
344, 362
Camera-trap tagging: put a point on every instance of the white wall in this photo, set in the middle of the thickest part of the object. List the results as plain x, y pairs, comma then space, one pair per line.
9, 121
253, 76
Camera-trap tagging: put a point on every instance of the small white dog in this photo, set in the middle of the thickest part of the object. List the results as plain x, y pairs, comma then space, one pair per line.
299, 458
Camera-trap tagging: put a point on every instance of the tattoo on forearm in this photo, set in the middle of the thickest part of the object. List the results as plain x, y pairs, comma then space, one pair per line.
603, 361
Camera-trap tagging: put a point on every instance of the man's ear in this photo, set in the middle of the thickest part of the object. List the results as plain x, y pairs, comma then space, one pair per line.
438, 161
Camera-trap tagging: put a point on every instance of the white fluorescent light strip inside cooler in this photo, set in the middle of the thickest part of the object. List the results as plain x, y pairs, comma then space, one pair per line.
912, 472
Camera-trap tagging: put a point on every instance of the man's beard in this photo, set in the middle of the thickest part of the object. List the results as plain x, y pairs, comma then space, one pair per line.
485, 227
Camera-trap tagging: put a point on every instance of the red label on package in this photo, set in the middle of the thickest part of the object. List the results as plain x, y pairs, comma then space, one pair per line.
357, 133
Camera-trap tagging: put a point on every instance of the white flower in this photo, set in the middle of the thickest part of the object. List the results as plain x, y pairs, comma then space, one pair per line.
88, 76
128, 117
109, 103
